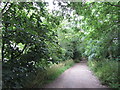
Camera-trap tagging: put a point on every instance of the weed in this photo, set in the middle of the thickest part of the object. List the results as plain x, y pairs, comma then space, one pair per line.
48, 75
107, 72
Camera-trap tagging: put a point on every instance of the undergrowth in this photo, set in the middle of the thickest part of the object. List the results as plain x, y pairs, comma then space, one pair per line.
48, 75
106, 71
76, 60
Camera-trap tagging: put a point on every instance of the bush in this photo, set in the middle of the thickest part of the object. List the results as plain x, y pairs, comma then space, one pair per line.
107, 72
48, 75
76, 61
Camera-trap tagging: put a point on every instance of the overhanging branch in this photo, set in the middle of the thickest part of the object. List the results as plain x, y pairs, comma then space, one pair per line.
21, 51
113, 5
4, 7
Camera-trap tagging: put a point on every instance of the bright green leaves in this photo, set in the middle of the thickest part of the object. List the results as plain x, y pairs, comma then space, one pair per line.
29, 37
100, 27
33, 38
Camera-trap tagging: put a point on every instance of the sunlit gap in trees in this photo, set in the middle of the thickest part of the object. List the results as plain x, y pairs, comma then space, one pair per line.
53, 5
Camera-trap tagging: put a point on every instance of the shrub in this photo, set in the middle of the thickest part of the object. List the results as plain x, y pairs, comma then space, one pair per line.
76, 61
107, 72
48, 75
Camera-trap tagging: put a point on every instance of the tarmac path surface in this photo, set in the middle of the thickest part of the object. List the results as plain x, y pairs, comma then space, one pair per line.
78, 76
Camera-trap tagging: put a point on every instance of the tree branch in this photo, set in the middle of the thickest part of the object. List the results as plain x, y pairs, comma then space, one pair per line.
8, 9
21, 51
4, 7
113, 5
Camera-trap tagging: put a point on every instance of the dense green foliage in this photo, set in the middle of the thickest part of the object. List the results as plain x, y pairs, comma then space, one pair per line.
47, 76
29, 41
100, 29
33, 39
107, 71
100, 38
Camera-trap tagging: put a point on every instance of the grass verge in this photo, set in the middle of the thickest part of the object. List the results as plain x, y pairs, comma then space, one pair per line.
106, 71
48, 75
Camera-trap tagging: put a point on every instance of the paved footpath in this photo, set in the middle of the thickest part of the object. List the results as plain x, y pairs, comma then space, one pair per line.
78, 76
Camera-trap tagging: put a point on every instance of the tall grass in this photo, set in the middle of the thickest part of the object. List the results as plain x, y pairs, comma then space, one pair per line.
48, 75
107, 72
